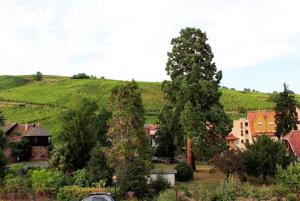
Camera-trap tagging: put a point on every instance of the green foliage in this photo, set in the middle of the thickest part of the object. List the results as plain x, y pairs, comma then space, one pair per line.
286, 115
3, 162
168, 195
193, 91
184, 172
242, 109
202, 194
130, 153
72, 193
263, 155
38, 76
80, 76
81, 178
8, 82
133, 178
98, 167
78, 134
160, 184
289, 177
61, 158
46, 180
227, 191
16, 180
3, 139
21, 150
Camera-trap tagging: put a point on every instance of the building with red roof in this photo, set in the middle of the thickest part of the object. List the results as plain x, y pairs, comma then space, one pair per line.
292, 141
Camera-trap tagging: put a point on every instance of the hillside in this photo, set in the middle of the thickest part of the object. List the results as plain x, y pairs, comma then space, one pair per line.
24, 100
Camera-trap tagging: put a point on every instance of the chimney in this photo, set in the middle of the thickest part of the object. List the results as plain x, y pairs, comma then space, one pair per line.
26, 127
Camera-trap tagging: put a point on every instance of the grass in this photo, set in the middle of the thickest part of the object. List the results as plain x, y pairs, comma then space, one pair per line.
24, 100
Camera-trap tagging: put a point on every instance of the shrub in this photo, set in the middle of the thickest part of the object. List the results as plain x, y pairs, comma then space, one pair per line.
160, 184
71, 193
227, 190
169, 195
45, 180
81, 178
3, 162
203, 194
97, 166
184, 172
80, 76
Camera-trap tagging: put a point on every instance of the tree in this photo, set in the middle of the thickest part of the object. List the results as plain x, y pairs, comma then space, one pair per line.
38, 76
195, 79
126, 130
3, 161
80, 76
102, 126
229, 162
286, 116
263, 155
79, 131
290, 177
98, 167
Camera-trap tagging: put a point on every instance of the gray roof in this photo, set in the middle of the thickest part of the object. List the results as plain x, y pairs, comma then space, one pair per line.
36, 131
170, 171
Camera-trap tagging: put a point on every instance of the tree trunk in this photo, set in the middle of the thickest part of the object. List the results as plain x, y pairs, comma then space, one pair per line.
189, 152
265, 179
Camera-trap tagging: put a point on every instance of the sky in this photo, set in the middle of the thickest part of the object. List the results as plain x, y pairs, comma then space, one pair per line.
256, 43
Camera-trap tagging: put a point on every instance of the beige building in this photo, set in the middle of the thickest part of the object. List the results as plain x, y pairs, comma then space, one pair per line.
255, 124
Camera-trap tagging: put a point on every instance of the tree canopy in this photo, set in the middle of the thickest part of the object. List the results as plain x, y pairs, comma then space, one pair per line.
263, 155
286, 115
193, 91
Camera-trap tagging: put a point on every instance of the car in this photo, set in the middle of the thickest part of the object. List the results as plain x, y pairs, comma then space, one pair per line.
99, 197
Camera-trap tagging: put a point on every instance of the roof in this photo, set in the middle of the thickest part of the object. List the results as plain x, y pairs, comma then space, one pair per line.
151, 126
24, 129
293, 139
231, 137
37, 131
156, 171
252, 116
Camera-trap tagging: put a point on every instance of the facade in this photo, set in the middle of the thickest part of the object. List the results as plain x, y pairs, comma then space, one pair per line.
150, 130
38, 137
248, 129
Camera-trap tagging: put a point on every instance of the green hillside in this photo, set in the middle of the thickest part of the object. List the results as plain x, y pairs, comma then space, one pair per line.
24, 100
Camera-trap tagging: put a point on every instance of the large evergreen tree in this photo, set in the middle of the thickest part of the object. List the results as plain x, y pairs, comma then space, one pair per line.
78, 136
194, 89
129, 141
286, 116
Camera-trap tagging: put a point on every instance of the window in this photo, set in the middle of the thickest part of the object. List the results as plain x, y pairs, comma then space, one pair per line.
242, 141
271, 123
246, 123
241, 125
246, 131
242, 133
247, 140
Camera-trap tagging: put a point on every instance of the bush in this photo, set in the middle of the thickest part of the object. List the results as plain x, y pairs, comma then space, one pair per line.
227, 190
46, 181
184, 172
97, 166
81, 178
3, 161
169, 195
203, 194
16, 181
80, 76
71, 193
160, 184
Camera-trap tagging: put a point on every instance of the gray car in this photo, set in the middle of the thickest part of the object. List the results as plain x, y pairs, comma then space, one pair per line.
99, 197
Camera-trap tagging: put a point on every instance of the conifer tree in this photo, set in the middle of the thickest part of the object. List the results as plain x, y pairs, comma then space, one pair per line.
129, 141
195, 80
286, 115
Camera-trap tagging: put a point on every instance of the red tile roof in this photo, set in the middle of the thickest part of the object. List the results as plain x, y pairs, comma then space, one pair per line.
231, 137
293, 139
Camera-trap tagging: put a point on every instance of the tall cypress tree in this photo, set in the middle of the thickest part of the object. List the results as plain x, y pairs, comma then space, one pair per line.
130, 146
286, 115
194, 89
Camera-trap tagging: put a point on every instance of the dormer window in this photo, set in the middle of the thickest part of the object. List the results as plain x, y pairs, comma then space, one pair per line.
260, 123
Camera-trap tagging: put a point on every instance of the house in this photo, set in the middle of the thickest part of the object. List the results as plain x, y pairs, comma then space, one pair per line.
38, 137
254, 125
292, 142
150, 130
168, 175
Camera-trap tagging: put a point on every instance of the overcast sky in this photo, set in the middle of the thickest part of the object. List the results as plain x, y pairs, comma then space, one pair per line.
256, 43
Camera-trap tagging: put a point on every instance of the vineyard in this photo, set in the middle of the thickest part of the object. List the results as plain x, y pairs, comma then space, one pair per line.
24, 100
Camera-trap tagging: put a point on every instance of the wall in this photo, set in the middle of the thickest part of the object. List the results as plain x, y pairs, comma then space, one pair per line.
169, 177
